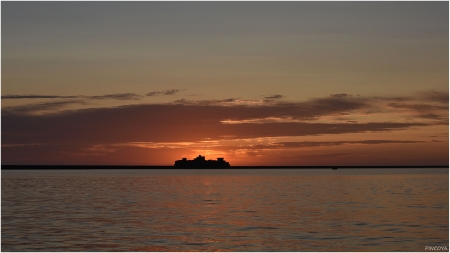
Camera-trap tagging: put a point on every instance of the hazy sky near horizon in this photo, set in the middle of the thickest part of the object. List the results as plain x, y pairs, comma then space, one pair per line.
304, 83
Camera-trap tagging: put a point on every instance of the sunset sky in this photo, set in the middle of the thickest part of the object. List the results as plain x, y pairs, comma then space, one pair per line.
258, 83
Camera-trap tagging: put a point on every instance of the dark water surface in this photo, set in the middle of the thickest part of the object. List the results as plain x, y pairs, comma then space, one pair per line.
225, 210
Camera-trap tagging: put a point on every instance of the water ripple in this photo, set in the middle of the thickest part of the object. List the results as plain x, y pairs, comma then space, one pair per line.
235, 211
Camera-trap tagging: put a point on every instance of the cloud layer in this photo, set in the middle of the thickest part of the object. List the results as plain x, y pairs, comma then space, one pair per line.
102, 131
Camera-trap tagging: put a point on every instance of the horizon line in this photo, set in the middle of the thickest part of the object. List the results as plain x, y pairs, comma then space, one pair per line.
62, 167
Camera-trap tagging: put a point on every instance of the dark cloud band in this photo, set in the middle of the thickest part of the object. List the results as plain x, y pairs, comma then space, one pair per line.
120, 96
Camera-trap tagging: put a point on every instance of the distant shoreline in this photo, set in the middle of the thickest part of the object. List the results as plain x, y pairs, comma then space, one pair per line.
139, 167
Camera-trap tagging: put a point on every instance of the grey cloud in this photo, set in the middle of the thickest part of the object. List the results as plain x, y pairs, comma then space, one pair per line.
340, 95
182, 101
309, 144
170, 92
425, 111
298, 110
120, 96
435, 96
339, 143
35, 96
338, 104
56, 106
40, 107
167, 123
211, 102
274, 97
235, 109
392, 99
428, 96
326, 155
164, 92
418, 107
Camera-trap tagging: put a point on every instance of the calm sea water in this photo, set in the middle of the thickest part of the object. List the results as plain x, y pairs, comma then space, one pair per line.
225, 210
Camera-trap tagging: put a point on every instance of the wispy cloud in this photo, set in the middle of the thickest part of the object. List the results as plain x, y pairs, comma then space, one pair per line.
35, 96
56, 104
21, 145
418, 107
435, 96
41, 108
164, 92
339, 143
333, 108
219, 145
212, 102
277, 96
425, 111
340, 95
120, 96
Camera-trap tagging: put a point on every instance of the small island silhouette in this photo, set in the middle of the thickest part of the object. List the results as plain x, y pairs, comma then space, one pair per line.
201, 163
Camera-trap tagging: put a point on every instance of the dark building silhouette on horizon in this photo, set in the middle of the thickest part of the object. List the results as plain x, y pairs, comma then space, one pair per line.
201, 163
